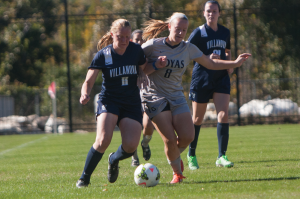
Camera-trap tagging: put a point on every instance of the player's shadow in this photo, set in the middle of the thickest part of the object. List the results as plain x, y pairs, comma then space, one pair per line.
244, 180
239, 180
281, 160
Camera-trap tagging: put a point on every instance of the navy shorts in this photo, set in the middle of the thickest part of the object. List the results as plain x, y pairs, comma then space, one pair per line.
132, 111
205, 92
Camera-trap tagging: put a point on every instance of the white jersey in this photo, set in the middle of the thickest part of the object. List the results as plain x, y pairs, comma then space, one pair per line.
165, 83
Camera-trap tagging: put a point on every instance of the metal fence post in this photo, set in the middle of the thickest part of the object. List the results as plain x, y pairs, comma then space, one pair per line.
237, 69
68, 65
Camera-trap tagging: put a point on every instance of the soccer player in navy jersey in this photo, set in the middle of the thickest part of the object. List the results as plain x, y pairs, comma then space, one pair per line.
121, 63
163, 99
148, 128
213, 40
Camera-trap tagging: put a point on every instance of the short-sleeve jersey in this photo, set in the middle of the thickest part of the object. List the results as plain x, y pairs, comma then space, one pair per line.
167, 81
209, 41
119, 73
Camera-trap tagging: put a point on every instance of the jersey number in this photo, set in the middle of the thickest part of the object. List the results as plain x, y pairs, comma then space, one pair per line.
124, 81
168, 73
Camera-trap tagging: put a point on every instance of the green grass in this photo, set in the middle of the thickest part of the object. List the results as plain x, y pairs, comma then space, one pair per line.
267, 165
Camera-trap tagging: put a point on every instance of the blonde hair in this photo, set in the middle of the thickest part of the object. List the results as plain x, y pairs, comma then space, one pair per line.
107, 39
154, 27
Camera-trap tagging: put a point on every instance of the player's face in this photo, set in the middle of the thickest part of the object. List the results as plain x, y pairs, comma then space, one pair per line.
138, 38
121, 38
178, 29
211, 13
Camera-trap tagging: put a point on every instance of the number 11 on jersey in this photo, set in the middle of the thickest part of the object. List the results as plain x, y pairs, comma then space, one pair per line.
124, 81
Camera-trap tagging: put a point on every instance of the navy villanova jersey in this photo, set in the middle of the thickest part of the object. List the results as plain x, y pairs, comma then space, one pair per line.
119, 73
209, 41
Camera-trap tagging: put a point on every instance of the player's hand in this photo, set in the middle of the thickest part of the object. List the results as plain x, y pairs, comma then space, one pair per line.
84, 99
142, 80
161, 62
230, 71
214, 56
242, 58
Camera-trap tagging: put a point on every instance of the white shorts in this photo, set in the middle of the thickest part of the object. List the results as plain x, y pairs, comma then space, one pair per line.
177, 106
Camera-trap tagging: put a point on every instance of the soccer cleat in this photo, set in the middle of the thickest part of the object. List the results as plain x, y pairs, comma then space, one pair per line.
113, 170
177, 178
80, 183
192, 162
224, 162
135, 162
146, 152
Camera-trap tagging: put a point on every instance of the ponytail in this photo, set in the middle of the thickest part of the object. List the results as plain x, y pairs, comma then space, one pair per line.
104, 41
154, 27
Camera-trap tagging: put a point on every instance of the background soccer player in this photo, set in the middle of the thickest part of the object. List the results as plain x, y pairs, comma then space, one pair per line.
213, 40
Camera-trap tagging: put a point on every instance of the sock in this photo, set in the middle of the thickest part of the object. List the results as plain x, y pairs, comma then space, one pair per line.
223, 137
176, 165
135, 155
146, 140
92, 160
120, 154
193, 145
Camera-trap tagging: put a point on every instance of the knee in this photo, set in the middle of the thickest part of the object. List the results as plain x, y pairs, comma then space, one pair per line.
170, 142
129, 147
223, 117
197, 120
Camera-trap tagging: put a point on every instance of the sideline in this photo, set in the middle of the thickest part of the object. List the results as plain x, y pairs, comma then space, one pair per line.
22, 145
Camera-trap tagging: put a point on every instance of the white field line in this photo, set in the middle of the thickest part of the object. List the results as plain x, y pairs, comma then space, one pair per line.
22, 145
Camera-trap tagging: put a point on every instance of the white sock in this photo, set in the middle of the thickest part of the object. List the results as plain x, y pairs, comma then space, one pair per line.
176, 165
146, 140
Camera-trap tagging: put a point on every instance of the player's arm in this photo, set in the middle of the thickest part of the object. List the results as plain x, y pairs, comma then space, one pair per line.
142, 80
161, 62
88, 84
228, 57
218, 64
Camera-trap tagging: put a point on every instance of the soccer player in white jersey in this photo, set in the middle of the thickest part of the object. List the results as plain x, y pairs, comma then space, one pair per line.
213, 40
121, 63
164, 101
148, 128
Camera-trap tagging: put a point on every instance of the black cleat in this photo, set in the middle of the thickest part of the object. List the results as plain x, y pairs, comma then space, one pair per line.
113, 170
135, 162
146, 152
80, 183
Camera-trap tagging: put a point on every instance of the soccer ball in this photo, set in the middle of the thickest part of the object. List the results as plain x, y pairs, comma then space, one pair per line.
146, 175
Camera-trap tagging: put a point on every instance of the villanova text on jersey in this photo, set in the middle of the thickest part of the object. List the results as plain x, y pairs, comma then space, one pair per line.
123, 70
215, 43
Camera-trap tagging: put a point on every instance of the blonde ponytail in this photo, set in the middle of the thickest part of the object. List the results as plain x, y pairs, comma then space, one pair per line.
104, 41
154, 27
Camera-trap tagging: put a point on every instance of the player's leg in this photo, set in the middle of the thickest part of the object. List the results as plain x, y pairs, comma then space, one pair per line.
199, 110
221, 101
147, 135
106, 123
130, 133
163, 124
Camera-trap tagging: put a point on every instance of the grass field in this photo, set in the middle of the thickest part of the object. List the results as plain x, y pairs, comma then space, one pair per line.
267, 165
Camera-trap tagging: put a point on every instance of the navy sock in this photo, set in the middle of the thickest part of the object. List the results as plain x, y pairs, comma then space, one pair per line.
223, 137
193, 144
92, 160
120, 154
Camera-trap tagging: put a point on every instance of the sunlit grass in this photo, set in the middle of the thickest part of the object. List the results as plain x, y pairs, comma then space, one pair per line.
267, 165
